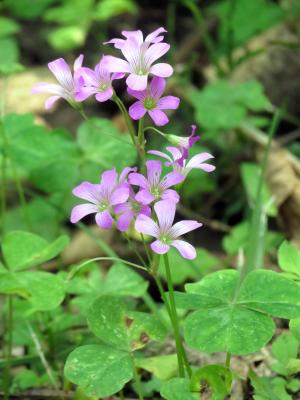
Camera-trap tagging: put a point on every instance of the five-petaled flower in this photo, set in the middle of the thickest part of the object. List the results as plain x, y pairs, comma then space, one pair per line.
101, 197
96, 82
68, 84
181, 165
165, 232
153, 187
140, 56
151, 102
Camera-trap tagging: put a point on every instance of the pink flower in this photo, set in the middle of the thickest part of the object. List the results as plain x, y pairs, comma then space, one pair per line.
184, 143
140, 56
96, 82
101, 197
151, 102
67, 83
153, 188
126, 212
138, 36
165, 232
182, 166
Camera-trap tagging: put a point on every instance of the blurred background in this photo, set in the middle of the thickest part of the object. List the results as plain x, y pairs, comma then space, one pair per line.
235, 61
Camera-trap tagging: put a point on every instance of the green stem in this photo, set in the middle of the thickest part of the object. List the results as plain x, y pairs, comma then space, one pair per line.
135, 251
126, 116
145, 247
167, 305
174, 317
137, 379
21, 195
148, 128
84, 264
228, 358
9, 347
3, 193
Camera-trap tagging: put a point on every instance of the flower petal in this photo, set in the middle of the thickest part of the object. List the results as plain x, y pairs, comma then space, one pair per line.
124, 220
182, 227
88, 191
137, 110
104, 96
109, 179
170, 194
168, 103
50, 102
146, 225
185, 249
80, 211
198, 162
159, 247
137, 82
114, 64
144, 197
78, 62
138, 179
161, 69
176, 153
104, 219
154, 52
62, 73
44, 87
165, 211
171, 179
153, 172
160, 154
157, 87
138, 94
119, 196
158, 117
153, 37
84, 92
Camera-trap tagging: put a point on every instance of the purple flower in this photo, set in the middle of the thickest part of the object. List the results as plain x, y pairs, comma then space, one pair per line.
140, 56
96, 82
151, 102
184, 143
101, 197
138, 36
67, 83
153, 188
182, 166
165, 232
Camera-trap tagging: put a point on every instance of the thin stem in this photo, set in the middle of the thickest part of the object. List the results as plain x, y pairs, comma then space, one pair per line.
9, 347
148, 128
3, 193
43, 359
145, 247
87, 119
79, 267
137, 379
228, 358
126, 116
135, 251
174, 317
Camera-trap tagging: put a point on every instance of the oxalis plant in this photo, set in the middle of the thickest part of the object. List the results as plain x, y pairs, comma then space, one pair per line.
230, 311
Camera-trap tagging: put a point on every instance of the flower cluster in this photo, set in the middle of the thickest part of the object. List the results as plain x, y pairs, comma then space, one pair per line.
146, 201
139, 62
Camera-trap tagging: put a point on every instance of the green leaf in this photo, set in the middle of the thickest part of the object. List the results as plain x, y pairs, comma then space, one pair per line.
99, 370
245, 20
111, 321
43, 290
123, 281
8, 26
267, 388
237, 322
250, 175
67, 37
25, 250
104, 145
216, 379
295, 328
289, 258
163, 367
177, 389
9, 52
107, 9
285, 350
27, 9
223, 105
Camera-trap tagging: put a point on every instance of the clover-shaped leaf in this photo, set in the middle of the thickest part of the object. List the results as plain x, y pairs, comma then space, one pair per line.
233, 319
